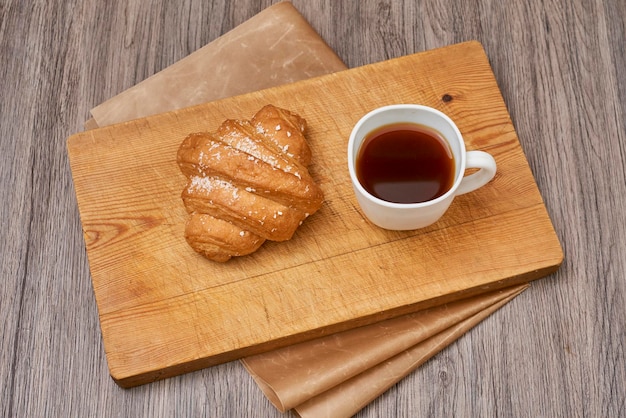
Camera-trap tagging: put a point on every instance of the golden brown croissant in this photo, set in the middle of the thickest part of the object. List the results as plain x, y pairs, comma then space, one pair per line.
247, 182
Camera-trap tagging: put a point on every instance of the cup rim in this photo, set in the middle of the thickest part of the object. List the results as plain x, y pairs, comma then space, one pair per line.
351, 158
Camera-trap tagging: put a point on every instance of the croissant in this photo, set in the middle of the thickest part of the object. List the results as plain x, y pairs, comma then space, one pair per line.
248, 182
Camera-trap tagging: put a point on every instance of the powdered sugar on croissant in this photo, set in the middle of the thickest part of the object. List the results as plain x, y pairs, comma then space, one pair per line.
247, 182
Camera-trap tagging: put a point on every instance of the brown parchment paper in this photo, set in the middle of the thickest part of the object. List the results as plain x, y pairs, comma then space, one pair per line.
293, 375
277, 46
350, 396
339, 374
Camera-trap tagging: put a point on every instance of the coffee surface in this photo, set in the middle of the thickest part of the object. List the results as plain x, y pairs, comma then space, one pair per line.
405, 163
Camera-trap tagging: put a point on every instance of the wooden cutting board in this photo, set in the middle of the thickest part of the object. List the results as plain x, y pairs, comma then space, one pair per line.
164, 310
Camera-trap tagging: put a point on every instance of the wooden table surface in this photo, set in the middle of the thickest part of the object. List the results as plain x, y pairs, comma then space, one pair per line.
556, 350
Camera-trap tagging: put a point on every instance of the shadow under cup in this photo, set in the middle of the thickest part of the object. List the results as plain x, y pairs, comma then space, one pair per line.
408, 216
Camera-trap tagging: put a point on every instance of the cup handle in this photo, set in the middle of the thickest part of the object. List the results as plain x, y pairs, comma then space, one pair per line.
487, 169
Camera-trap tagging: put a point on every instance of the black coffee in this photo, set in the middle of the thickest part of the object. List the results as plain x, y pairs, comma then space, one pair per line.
405, 163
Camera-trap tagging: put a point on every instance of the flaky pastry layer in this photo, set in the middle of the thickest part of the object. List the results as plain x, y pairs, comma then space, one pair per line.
247, 182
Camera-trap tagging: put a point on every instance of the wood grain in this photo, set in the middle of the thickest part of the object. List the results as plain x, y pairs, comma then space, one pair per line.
148, 282
559, 67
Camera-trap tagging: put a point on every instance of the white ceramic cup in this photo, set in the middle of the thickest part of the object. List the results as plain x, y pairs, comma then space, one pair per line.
409, 216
